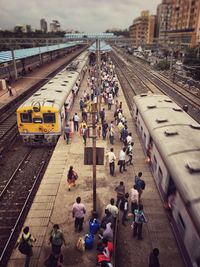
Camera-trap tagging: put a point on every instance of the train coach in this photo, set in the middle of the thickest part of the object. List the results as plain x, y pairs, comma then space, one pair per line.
41, 118
171, 140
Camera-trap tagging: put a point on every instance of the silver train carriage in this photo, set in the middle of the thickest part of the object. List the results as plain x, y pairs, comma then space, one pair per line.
171, 140
41, 118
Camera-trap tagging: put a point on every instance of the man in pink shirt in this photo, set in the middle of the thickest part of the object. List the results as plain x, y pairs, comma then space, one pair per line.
134, 200
78, 212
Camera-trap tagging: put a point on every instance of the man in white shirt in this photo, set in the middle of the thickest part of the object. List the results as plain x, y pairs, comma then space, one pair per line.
111, 160
112, 133
134, 200
129, 139
76, 120
112, 208
122, 158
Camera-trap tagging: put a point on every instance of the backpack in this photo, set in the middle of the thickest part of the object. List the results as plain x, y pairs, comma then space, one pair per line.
24, 246
139, 218
142, 184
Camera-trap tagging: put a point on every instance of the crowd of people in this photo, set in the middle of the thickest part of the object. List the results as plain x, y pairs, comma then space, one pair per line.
118, 209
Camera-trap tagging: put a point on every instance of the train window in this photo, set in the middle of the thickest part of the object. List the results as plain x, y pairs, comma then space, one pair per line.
26, 117
181, 220
49, 117
160, 173
154, 163
37, 120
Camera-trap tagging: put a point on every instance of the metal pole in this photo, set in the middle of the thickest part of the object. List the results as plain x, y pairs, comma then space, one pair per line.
171, 62
14, 63
94, 152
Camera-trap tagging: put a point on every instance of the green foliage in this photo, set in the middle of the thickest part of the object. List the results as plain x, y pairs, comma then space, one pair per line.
124, 33
192, 62
163, 65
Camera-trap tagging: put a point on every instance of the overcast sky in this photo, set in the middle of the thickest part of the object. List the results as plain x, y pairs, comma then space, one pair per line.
82, 15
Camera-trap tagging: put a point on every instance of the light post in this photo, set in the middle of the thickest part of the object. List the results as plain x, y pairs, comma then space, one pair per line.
14, 63
94, 154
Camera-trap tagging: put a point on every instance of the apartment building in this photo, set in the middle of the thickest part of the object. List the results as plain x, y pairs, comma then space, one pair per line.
185, 22
143, 29
164, 14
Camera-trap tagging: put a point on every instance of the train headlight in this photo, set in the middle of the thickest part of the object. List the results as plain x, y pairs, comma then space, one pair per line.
25, 131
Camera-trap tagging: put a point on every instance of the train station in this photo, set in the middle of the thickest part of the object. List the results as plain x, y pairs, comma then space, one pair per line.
99, 158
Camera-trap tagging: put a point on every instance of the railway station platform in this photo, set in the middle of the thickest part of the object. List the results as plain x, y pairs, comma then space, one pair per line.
25, 82
53, 203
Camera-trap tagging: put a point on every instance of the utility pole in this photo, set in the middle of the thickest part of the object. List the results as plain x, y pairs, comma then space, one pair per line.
171, 63
94, 154
98, 74
94, 113
14, 63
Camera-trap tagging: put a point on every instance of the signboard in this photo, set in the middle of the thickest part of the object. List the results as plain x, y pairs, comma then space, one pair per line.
88, 159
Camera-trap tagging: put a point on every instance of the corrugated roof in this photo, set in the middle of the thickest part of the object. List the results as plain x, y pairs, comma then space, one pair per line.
6, 56
104, 47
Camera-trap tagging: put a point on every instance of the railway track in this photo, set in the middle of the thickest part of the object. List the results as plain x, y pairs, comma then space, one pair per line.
155, 83
16, 195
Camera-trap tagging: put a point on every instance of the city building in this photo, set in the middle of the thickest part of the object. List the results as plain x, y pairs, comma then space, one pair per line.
22, 28
185, 22
142, 31
164, 14
43, 25
55, 26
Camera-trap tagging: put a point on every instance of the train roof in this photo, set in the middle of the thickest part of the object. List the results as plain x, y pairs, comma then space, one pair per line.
177, 137
55, 92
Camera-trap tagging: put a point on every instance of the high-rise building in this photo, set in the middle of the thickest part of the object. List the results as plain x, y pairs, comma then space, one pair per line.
43, 25
164, 13
185, 22
55, 26
143, 29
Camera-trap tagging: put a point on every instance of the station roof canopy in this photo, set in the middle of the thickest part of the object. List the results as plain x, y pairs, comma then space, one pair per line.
6, 56
103, 47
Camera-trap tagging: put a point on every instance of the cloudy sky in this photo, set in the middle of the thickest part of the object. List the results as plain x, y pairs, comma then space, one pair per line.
82, 15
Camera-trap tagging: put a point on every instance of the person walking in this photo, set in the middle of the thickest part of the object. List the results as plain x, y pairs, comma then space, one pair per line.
120, 189
125, 208
134, 200
104, 129
140, 184
130, 154
122, 158
25, 244
153, 258
129, 139
56, 239
10, 90
138, 223
102, 115
72, 176
112, 208
111, 160
76, 121
112, 133
67, 133
78, 212
84, 134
